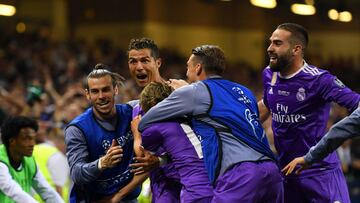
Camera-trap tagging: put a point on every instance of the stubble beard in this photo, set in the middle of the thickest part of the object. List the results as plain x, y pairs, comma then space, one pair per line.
283, 62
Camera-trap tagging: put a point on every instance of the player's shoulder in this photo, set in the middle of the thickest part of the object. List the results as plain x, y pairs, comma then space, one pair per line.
267, 73
267, 70
133, 103
163, 127
168, 124
124, 109
313, 71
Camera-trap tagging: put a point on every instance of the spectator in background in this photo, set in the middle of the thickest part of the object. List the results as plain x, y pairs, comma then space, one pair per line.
51, 161
18, 170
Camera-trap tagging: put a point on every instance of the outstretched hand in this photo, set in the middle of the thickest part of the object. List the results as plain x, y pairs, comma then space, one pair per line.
288, 169
113, 156
145, 163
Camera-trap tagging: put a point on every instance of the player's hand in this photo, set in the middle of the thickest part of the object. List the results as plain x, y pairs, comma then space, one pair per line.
146, 163
288, 169
175, 83
113, 156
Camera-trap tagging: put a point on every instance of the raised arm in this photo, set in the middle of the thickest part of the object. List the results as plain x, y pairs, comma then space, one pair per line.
137, 136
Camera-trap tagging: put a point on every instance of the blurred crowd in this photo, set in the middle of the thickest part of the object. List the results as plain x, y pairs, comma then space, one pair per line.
43, 79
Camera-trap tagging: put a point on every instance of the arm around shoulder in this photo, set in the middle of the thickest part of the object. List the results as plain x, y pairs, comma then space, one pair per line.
180, 103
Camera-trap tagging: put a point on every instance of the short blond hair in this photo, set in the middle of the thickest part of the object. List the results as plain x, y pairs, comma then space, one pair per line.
154, 93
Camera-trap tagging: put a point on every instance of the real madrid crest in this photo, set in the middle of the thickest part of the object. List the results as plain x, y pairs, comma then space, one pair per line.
301, 95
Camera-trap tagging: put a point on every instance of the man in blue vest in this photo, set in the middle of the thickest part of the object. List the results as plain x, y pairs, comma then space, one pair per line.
100, 143
236, 152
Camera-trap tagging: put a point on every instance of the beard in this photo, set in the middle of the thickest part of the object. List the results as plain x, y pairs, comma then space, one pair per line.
282, 62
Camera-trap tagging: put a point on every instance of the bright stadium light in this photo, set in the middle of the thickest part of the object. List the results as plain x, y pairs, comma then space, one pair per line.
7, 10
333, 14
264, 3
345, 16
303, 9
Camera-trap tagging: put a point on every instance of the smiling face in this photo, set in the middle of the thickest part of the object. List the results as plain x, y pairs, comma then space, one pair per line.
101, 94
280, 51
143, 67
23, 144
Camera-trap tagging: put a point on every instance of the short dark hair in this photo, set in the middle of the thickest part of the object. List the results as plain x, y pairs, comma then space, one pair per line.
144, 43
154, 93
12, 126
298, 33
100, 71
211, 57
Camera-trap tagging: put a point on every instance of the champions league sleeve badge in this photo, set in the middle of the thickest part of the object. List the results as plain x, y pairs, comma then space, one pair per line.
106, 144
300, 95
339, 83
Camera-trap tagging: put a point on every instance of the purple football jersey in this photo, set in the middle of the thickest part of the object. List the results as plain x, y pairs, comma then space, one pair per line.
300, 106
164, 181
184, 149
137, 111
164, 188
